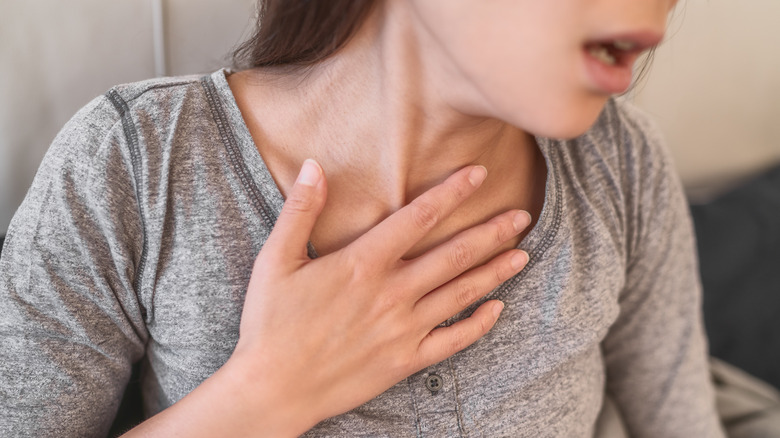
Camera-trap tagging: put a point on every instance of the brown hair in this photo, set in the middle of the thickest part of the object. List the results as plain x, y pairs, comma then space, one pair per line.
300, 33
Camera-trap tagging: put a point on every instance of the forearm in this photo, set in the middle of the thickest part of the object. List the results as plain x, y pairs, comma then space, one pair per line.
232, 402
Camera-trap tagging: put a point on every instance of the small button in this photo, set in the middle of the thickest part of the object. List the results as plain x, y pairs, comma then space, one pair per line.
434, 382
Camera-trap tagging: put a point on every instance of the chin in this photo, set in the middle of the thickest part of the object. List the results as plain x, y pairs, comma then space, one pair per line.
564, 128
562, 125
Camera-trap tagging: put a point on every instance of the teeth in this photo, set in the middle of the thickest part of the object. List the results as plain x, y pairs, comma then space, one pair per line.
624, 45
602, 54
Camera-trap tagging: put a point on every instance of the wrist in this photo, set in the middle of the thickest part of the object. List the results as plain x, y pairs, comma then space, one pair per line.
264, 400
234, 401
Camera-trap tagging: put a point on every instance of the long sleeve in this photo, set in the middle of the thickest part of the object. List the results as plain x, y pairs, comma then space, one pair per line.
71, 325
656, 352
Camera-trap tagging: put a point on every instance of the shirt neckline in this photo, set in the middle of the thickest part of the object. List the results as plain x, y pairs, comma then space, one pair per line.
260, 180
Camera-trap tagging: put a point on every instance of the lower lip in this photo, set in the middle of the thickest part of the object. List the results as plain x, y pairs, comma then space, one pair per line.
611, 79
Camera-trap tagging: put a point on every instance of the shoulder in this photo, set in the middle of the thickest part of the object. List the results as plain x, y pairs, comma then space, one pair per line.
625, 137
134, 119
620, 115
645, 162
155, 95
636, 139
624, 152
100, 122
620, 172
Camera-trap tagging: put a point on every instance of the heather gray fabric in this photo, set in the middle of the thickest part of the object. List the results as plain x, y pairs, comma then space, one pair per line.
137, 238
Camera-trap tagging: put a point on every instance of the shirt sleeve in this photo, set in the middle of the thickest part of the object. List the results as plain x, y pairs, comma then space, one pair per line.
656, 351
71, 325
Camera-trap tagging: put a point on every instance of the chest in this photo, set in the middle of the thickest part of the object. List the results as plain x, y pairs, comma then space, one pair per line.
557, 312
341, 223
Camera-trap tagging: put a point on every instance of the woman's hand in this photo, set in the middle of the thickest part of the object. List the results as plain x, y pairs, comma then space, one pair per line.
332, 333
320, 337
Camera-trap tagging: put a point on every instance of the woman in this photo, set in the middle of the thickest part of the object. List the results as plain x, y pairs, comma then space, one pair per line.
430, 127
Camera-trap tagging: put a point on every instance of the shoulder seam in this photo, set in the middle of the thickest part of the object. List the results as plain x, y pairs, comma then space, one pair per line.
153, 87
132, 136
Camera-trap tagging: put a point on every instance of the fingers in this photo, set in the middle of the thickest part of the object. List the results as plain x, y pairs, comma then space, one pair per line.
303, 205
463, 291
394, 236
450, 259
443, 342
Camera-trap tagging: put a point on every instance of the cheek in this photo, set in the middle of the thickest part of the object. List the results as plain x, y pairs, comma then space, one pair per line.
510, 64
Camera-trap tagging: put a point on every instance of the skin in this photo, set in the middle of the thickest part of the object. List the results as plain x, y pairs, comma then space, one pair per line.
425, 97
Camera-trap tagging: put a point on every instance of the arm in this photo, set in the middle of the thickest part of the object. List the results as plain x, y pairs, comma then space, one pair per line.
70, 325
656, 352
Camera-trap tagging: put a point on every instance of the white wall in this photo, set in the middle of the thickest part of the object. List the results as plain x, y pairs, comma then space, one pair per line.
55, 56
714, 88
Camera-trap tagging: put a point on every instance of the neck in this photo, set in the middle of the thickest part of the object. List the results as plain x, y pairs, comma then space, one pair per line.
380, 113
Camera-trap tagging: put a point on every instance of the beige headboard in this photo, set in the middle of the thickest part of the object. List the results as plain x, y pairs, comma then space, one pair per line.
55, 56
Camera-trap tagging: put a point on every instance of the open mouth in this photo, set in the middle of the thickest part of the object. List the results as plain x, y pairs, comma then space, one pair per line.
609, 59
614, 53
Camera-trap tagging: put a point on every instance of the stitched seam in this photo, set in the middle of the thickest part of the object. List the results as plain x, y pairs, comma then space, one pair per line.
132, 137
414, 407
159, 87
234, 153
458, 413
536, 253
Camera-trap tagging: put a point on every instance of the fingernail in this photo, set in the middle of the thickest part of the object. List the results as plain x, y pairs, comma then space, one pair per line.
497, 308
310, 173
519, 259
521, 220
477, 175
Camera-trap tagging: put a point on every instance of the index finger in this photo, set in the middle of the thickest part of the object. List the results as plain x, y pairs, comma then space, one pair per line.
397, 234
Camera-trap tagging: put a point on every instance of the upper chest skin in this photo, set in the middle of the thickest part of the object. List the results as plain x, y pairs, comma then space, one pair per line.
358, 199
341, 222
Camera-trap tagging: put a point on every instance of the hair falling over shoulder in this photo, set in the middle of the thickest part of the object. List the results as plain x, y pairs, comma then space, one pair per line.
300, 33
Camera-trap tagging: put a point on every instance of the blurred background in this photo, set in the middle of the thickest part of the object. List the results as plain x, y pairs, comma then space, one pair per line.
714, 86
56, 56
714, 89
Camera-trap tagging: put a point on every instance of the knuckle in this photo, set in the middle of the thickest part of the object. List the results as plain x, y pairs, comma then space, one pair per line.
350, 258
502, 272
462, 256
389, 302
425, 214
502, 230
466, 292
401, 363
498, 276
500, 233
356, 265
385, 304
458, 341
299, 203
460, 191
349, 261
364, 257
484, 326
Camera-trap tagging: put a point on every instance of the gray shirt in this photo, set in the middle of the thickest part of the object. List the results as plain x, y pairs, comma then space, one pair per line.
137, 239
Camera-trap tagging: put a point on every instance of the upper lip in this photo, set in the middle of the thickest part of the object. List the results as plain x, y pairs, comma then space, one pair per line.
642, 40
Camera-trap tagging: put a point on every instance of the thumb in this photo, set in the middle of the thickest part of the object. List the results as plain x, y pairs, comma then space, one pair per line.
303, 205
